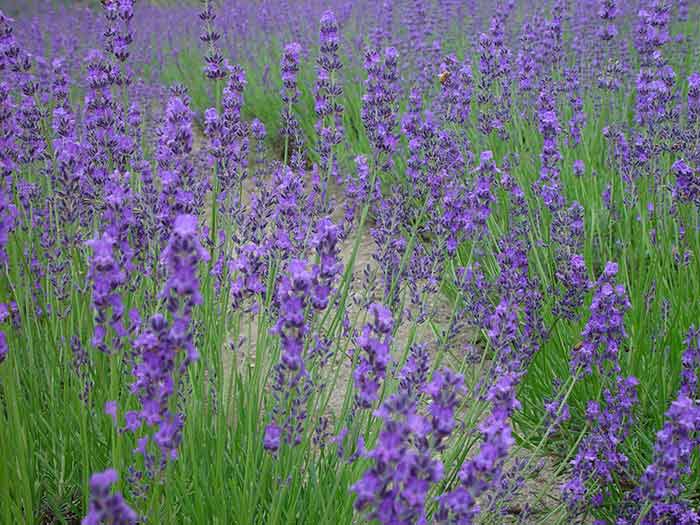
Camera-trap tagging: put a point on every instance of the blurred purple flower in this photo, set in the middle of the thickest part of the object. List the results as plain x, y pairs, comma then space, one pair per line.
106, 507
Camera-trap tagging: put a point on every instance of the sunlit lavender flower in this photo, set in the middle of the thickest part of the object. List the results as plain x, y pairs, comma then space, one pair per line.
289, 69
482, 473
181, 291
445, 390
607, 12
214, 68
493, 90
578, 117
251, 266
567, 235
119, 34
158, 362
374, 343
328, 91
687, 187
176, 171
8, 146
604, 332
379, 489
661, 484
271, 440
32, 145
106, 507
482, 197
573, 277
325, 242
548, 184
456, 92
231, 143
100, 117
379, 111
118, 218
694, 98
291, 224
357, 189
8, 217
414, 374
292, 384
382, 33
107, 277
526, 62
599, 458
395, 487
690, 374
653, 90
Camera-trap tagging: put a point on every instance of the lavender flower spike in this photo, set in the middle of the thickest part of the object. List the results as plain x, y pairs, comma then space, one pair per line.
106, 508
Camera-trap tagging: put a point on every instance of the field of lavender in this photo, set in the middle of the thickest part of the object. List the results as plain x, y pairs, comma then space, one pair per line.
345, 262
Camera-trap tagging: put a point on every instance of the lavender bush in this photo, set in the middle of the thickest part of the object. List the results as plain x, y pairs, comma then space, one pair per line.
350, 262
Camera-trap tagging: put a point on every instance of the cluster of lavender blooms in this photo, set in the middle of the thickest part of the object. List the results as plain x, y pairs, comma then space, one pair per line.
289, 69
301, 290
379, 103
158, 347
658, 498
405, 459
107, 277
483, 472
328, 91
106, 507
444, 207
375, 346
599, 458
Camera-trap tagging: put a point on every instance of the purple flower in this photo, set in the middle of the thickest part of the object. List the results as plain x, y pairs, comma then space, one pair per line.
105, 507
694, 98
175, 167
661, 484
375, 357
607, 12
690, 373
687, 188
445, 389
214, 68
548, 185
271, 441
157, 363
8, 218
154, 385
379, 103
456, 91
357, 189
181, 291
604, 332
578, 117
493, 89
4, 349
567, 236
230, 142
482, 473
251, 266
292, 385
325, 242
107, 277
394, 489
328, 92
414, 374
291, 131
599, 459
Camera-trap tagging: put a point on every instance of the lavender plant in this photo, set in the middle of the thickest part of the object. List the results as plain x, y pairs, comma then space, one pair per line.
331, 262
